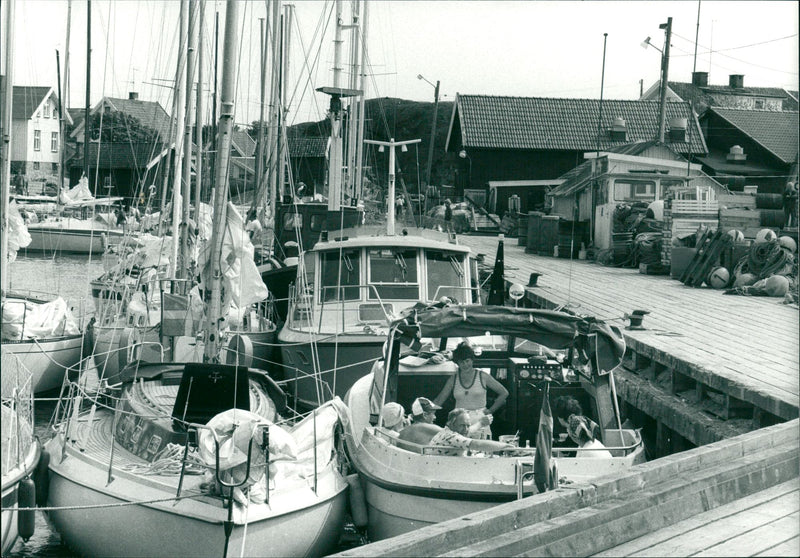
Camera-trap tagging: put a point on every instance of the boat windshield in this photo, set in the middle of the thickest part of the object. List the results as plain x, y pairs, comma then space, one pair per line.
446, 275
340, 274
394, 273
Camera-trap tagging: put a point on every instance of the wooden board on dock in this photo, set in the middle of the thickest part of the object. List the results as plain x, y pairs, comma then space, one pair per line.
744, 347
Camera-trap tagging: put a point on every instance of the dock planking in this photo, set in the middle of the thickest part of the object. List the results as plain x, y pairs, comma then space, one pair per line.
744, 347
763, 524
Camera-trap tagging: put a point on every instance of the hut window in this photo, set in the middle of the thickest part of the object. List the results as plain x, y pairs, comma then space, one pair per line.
634, 190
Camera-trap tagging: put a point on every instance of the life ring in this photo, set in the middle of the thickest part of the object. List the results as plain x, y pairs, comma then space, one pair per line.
239, 351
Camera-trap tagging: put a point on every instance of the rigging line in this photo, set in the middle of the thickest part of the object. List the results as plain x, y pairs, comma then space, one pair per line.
738, 47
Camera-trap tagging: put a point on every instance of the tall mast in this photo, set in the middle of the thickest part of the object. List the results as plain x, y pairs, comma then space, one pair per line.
272, 140
261, 115
362, 104
65, 98
230, 56
60, 127
180, 114
5, 149
352, 128
198, 121
182, 268
286, 37
88, 84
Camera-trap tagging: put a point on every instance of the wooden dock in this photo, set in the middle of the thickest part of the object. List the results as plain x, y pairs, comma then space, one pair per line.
706, 364
735, 497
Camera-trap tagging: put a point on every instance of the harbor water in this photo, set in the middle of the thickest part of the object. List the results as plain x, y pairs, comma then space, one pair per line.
69, 277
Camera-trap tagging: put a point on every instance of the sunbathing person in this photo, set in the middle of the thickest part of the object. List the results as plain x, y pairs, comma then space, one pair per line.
454, 435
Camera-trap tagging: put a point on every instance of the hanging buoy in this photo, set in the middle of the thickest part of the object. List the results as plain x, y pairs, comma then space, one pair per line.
26, 498
358, 502
41, 477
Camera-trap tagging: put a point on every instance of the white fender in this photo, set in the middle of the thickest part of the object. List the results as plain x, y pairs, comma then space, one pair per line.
239, 350
130, 346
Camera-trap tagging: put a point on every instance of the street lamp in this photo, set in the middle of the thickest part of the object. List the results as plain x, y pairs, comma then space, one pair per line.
464, 155
662, 117
433, 126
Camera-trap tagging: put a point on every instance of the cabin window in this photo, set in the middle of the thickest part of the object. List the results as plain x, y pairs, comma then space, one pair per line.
634, 190
292, 221
37, 140
47, 110
446, 276
393, 272
54, 142
340, 275
316, 222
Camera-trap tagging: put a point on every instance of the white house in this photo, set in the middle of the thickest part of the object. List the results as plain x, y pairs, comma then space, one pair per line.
36, 137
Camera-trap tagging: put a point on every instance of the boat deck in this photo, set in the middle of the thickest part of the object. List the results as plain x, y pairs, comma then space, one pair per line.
735, 357
762, 524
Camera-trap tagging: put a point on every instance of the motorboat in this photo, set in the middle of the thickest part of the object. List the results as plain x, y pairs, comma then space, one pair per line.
20, 453
408, 483
350, 287
210, 454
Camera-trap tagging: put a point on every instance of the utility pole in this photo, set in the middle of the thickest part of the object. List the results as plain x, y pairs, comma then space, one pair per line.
664, 73
433, 133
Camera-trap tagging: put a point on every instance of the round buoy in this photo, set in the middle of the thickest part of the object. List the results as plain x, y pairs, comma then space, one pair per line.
745, 280
718, 278
26, 518
737, 236
358, 501
766, 235
788, 243
777, 285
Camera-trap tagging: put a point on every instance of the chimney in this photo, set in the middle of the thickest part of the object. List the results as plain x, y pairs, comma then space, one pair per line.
736, 155
736, 81
133, 96
700, 79
618, 130
677, 129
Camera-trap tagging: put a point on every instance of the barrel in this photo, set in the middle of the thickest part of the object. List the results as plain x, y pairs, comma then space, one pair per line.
522, 230
769, 201
548, 235
534, 222
773, 218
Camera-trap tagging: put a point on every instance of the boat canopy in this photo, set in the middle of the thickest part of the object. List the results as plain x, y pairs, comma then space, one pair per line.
555, 330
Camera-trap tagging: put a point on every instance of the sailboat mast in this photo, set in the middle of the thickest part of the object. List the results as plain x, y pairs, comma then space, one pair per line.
180, 98
261, 115
214, 278
5, 149
283, 147
272, 140
198, 121
359, 184
88, 87
183, 265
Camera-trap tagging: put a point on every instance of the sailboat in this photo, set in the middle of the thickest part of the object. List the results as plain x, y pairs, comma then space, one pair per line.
37, 328
209, 453
409, 483
20, 453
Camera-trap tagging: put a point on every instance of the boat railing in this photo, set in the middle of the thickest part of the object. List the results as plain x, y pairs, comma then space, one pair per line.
457, 288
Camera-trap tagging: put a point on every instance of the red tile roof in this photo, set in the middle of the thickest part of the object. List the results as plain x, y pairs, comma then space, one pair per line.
307, 147
563, 124
776, 131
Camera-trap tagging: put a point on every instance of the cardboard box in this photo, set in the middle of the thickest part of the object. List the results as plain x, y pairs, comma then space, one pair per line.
680, 258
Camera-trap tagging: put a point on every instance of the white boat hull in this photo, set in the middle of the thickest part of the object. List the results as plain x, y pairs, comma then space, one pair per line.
47, 359
10, 496
304, 524
72, 241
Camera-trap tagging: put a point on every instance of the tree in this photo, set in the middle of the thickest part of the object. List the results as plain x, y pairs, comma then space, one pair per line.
116, 127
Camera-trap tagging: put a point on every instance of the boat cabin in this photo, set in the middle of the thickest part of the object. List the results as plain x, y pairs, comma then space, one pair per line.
354, 281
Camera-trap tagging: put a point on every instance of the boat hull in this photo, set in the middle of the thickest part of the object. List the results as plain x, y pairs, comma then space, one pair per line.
353, 356
47, 359
10, 496
71, 241
186, 527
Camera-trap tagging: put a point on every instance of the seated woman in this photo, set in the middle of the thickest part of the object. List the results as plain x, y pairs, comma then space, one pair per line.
579, 430
454, 435
394, 418
469, 388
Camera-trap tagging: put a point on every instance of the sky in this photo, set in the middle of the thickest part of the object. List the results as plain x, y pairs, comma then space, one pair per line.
519, 48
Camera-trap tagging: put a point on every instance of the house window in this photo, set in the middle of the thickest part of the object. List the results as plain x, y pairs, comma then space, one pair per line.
47, 110
634, 190
54, 142
36, 165
37, 140
759, 103
54, 167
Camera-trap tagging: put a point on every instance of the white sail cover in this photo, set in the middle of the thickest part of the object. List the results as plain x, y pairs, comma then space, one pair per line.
18, 236
78, 193
25, 319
